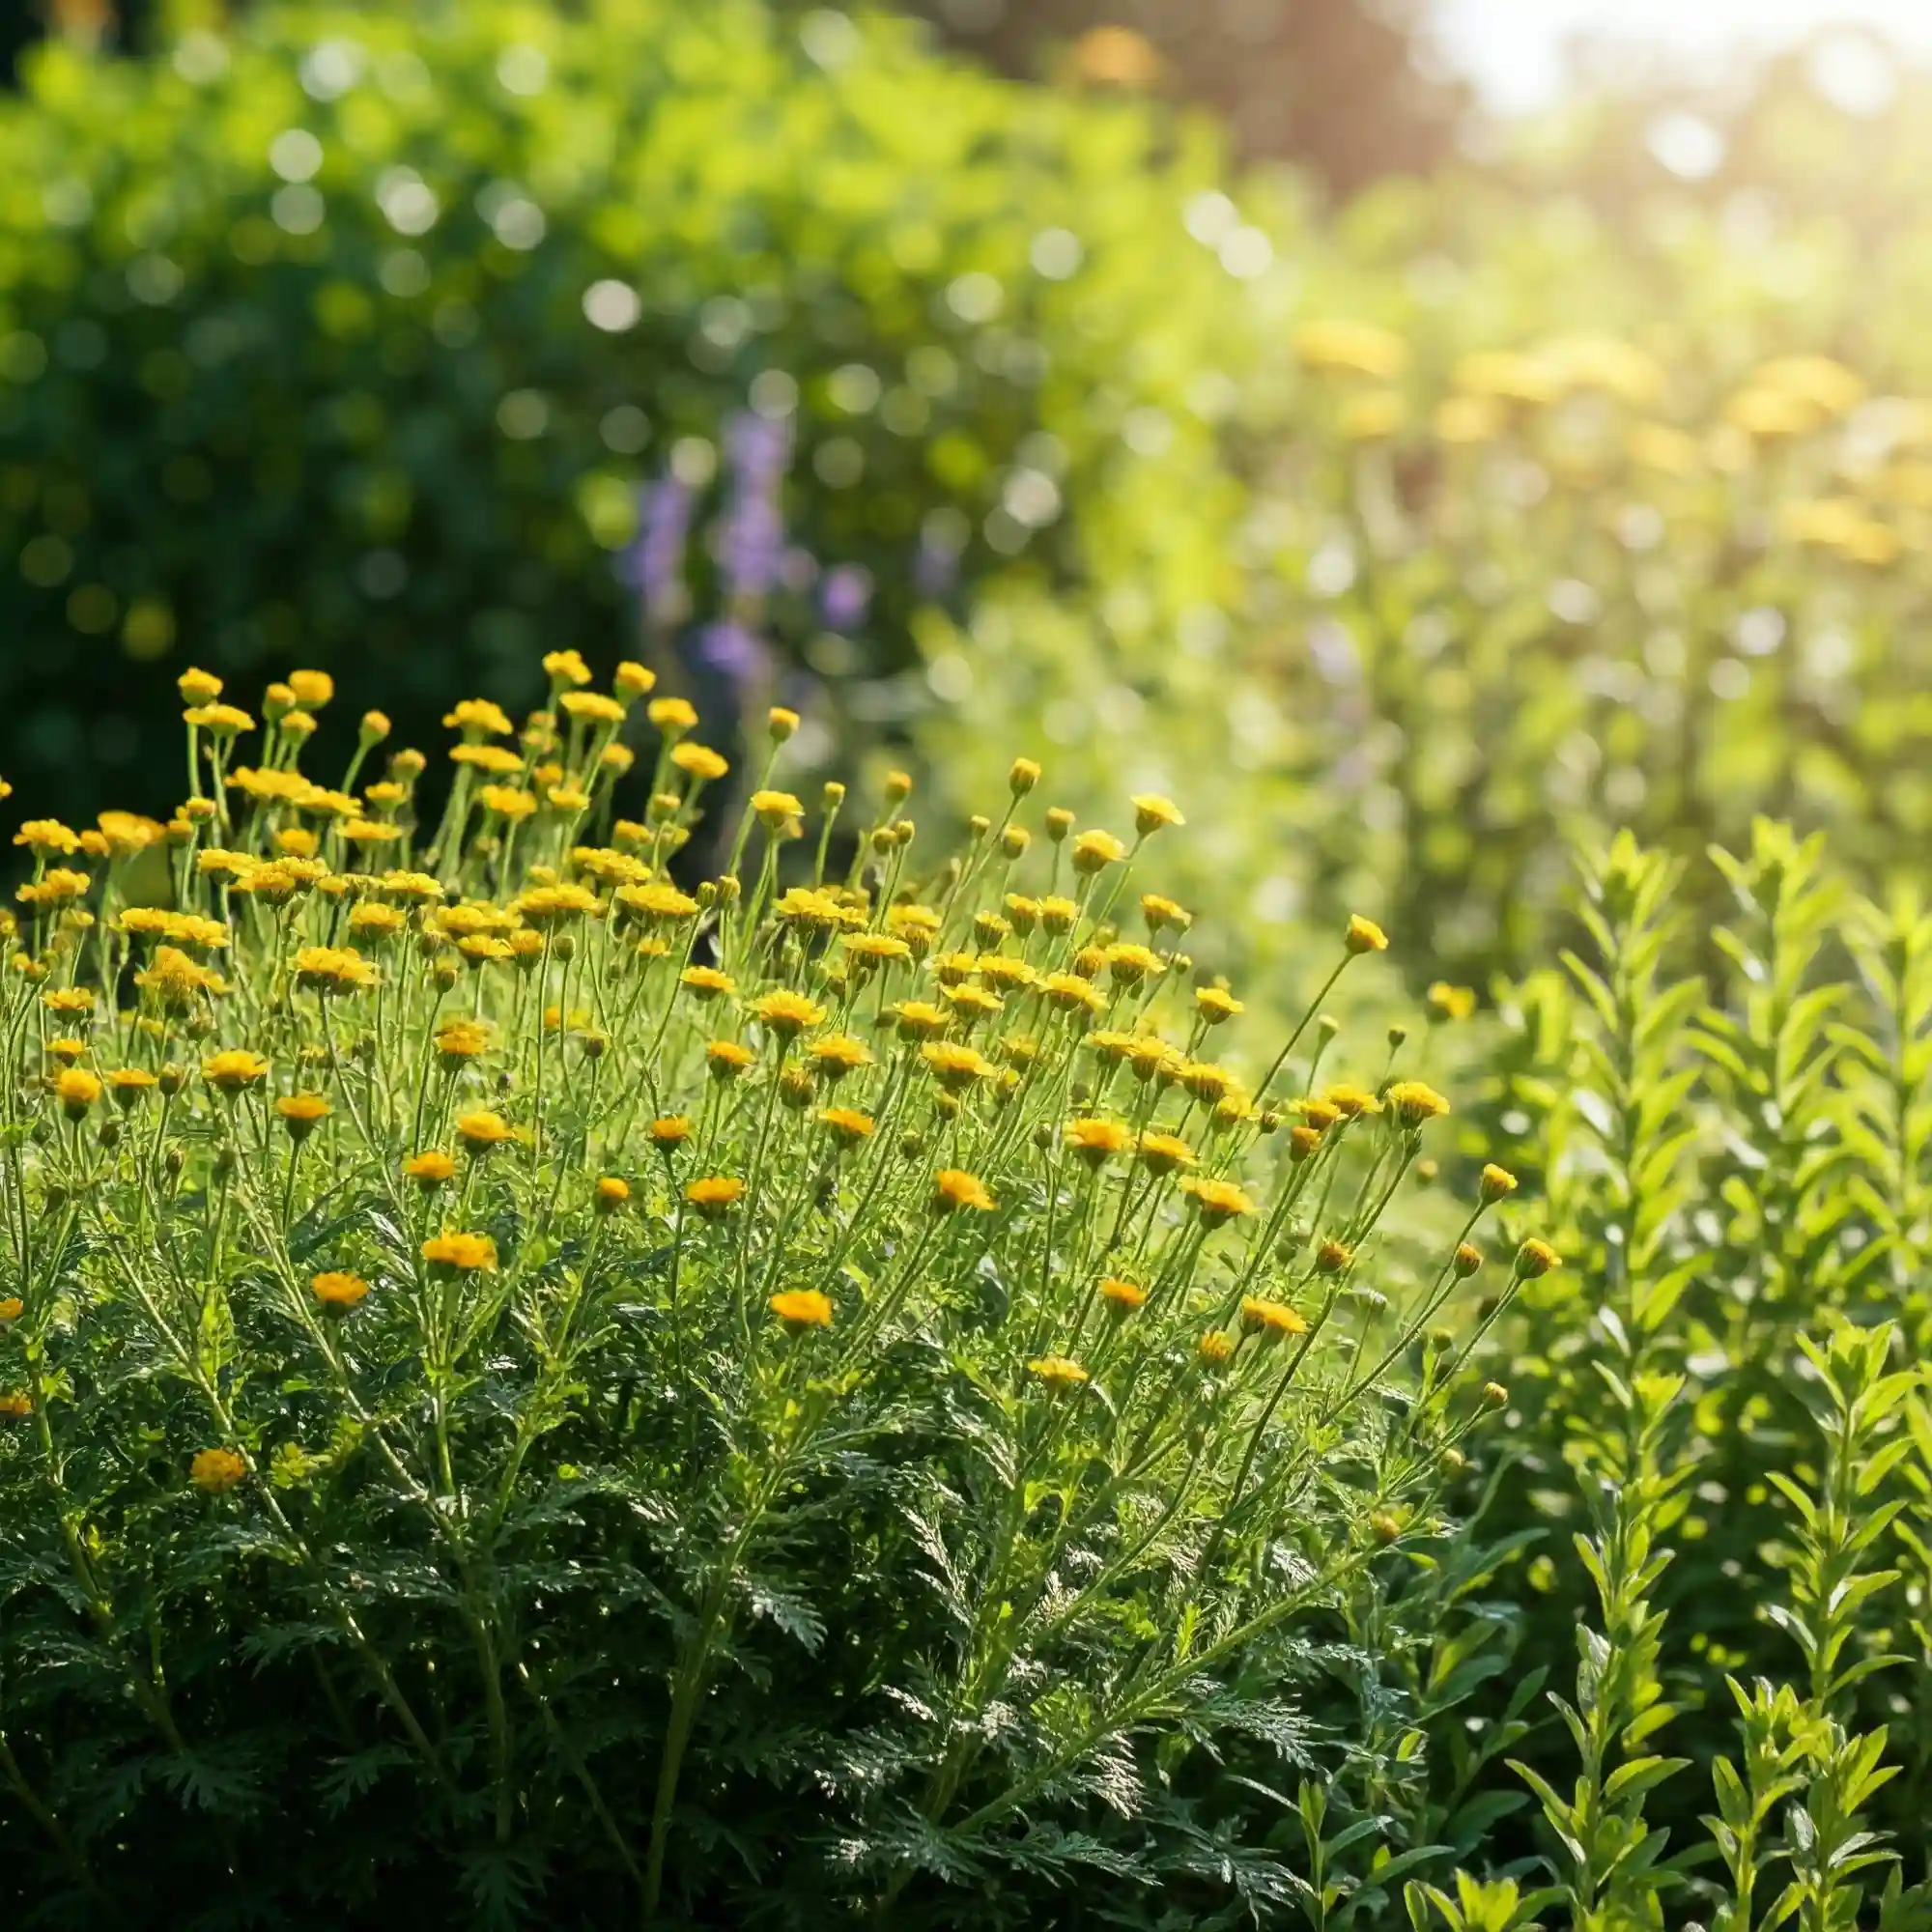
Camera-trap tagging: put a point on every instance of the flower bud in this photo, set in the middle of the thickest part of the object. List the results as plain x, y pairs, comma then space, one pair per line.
782, 722
1023, 777
1536, 1258
1497, 1181
1468, 1259
1058, 823
1495, 1395
174, 1160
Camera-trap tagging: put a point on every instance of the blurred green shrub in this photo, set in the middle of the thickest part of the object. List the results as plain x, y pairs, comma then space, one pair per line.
353, 331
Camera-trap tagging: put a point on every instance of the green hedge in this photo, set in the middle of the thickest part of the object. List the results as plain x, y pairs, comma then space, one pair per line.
255, 412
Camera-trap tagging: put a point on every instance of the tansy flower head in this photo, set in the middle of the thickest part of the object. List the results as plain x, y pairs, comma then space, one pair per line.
1095, 1141
785, 1013
215, 1471
198, 687
338, 1293
1413, 1101
459, 1041
1153, 812
1215, 1004
846, 1125
1123, 1298
1130, 963
777, 810
715, 1196
672, 716
802, 1309
1164, 1154
1215, 1349
1535, 1258
838, 1055
1364, 935
129, 1084
77, 1089
1271, 1320
611, 1192
302, 1113
955, 1067
483, 1130
459, 1253
671, 1131
954, 1188
478, 718
233, 1070
727, 1058
1093, 851
1218, 1201
430, 1169
1349, 1101
1497, 1182
1058, 1372
1452, 1002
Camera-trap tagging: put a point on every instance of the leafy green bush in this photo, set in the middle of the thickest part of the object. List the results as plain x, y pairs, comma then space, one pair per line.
352, 333
533, 1391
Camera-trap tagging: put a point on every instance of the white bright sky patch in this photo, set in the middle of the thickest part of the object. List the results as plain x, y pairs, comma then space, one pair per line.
1513, 50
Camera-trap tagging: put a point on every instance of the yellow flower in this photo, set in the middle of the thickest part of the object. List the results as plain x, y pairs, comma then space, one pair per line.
634, 680
478, 718
838, 1055
1364, 935
77, 1090
564, 668
302, 1113
509, 802
1347, 1101
1215, 1004
1272, 1321
847, 1126
671, 1131
1093, 851
69, 1000
214, 1471
12, 1308
1218, 1201
776, 809
48, 835
1071, 993
483, 1130
715, 1196
1095, 1141
312, 689
1215, 1349
814, 910
727, 1059
545, 906
955, 1067
1153, 812
1414, 1101
1205, 1081
1452, 1002
497, 759
954, 1188
333, 969
337, 1291
459, 1041
699, 762
223, 720
1535, 1258
1058, 1372
233, 1069
459, 1253
430, 1169
1164, 1154
1497, 1182
874, 946
659, 902
14, 1406
1131, 963
672, 716
198, 687
786, 1013
1023, 777
1123, 1298
707, 983
591, 707
66, 1050
128, 1084
128, 833
800, 1309
612, 1191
